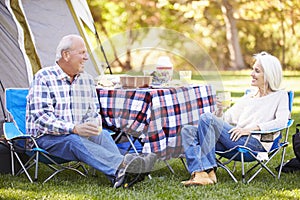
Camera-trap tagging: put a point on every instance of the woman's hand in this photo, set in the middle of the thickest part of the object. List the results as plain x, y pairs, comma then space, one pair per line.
237, 132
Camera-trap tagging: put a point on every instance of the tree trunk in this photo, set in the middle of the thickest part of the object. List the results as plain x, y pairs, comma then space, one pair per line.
282, 19
236, 58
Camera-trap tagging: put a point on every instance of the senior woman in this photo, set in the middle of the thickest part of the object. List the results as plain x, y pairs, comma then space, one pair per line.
263, 109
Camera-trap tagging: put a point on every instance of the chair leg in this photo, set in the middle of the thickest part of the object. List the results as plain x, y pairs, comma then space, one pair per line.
262, 165
243, 167
52, 175
36, 166
184, 163
227, 170
234, 166
86, 172
281, 162
169, 166
12, 162
27, 166
23, 167
61, 168
132, 144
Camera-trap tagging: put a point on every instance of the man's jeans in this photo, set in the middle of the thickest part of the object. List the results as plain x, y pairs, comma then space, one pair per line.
200, 143
99, 152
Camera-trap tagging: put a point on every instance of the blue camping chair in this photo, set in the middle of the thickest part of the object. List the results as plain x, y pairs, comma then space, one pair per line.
15, 134
244, 154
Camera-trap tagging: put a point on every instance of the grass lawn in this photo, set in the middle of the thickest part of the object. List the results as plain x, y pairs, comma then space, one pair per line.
164, 184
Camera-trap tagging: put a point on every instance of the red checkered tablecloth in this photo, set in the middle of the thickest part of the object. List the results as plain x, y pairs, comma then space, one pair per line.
156, 115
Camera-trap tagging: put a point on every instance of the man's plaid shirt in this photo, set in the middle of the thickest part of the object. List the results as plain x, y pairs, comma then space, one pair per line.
55, 105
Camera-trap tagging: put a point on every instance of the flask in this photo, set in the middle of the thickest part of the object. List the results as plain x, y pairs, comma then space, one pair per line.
164, 68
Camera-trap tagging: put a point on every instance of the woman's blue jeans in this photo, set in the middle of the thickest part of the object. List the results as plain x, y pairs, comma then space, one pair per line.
99, 152
200, 143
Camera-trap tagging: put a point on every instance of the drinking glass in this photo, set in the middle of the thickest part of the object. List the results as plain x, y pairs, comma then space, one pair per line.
93, 118
225, 98
185, 76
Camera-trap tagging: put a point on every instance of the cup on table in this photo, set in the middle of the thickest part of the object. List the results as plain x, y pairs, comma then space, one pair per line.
185, 75
225, 98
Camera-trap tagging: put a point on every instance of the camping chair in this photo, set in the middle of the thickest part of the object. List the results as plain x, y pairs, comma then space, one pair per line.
15, 134
244, 154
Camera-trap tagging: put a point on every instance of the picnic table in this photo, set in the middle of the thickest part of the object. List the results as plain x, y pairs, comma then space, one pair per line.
156, 115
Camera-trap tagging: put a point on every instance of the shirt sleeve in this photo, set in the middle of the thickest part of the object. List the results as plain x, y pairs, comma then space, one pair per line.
232, 115
281, 115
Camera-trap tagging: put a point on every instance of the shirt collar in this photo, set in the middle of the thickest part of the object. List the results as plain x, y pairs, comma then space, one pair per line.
61, 75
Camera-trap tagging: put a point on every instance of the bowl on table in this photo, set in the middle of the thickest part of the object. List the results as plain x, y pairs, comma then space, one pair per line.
135, 81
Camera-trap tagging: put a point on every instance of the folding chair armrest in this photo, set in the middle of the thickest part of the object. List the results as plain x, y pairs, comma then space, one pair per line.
12, 132
266, 132
289, 124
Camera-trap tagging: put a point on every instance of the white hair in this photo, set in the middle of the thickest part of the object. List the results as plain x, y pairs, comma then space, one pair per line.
272, 69
64, 44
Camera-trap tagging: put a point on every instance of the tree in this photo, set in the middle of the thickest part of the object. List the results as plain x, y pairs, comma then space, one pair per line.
229, 31
232, 36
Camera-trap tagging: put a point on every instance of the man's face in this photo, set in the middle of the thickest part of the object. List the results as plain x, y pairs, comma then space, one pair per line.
77, 56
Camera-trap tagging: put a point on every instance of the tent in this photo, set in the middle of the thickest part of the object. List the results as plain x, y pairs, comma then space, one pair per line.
29, 33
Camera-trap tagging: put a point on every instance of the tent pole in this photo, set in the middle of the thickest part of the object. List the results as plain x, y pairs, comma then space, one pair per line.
102, 49
2, 107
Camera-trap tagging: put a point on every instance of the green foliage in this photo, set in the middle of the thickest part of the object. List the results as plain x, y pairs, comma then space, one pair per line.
262, 25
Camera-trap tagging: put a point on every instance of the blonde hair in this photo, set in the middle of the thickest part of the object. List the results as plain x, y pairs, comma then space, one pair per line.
272, 69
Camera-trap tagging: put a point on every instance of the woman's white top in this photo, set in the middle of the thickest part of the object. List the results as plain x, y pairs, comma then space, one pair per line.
267, 112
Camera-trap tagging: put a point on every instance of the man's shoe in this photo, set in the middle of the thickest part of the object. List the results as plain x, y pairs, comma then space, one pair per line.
129, 171
149, 160
198, 178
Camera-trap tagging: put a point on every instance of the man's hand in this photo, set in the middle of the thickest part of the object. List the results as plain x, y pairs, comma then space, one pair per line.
86, 129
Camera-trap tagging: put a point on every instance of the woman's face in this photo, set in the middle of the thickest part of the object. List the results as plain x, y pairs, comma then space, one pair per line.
257, 75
